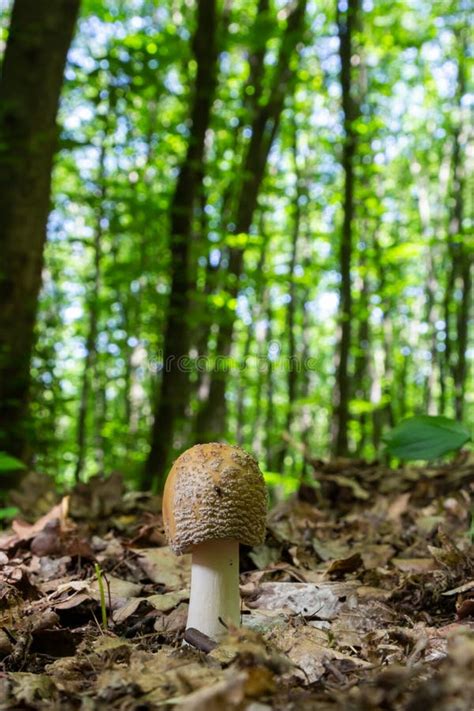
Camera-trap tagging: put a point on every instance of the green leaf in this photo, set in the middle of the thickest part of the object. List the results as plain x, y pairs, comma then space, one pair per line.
362, 407
10, 464
288, 484
407, 250
8, 512
426, 437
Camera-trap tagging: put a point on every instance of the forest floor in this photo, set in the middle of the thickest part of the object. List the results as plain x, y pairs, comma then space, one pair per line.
361, 598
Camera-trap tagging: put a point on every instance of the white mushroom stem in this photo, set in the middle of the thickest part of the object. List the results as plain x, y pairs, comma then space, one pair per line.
214, 588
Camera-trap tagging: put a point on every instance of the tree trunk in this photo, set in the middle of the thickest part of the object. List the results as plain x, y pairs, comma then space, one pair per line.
93, 316
32, 73
269, 428
262, 338
346, 22
250, 100
306, 412
361, 360
461, 256
292, 372
431, 289
430, 318
244, 375
382, 391
211, 419
173, 391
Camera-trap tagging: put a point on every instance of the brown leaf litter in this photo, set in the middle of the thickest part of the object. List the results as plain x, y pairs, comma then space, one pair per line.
361, 598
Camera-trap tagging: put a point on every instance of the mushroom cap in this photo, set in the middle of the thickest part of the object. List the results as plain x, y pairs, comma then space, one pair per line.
214, 491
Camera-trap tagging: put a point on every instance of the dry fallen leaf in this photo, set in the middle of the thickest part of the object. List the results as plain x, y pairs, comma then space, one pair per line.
228, 693
25, 531
306, 642
163, 567
307, 599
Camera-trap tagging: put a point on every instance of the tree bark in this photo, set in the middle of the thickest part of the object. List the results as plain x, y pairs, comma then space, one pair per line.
461, 256
269, 427
250, 336
211, 419
382, 392
173, 391
431, 288
292, 372
306, 412
346, 23
31, 78
90, 359
250, 100
361, 361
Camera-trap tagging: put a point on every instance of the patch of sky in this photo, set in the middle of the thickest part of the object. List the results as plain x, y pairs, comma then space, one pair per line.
214, 257
243, 309
324, 306
72, 313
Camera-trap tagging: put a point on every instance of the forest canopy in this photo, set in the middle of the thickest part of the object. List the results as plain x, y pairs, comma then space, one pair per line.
257, 228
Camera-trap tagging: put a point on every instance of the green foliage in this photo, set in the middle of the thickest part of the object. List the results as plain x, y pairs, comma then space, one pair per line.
283, 485
287, 484
125, 121
426, 437
9, 463
8, 513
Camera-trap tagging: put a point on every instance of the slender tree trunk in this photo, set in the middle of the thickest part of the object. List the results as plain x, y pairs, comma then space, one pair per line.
464, 309
211, 419
132, 312
250, 102
292, 372
242, 387
461, 255
262, 338
442, 353
430, 317
448, 301
361, 360
430, 295
257, 424
100, 379
244, 376
93, 316
441, 359
383, 415
346, 22
128, 365
306, 416
173, 391
270, 408
402, 380
30, 84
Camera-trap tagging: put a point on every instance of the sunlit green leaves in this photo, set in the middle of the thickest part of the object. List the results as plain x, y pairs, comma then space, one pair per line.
9, 463
8, 512
129, 78
406, 250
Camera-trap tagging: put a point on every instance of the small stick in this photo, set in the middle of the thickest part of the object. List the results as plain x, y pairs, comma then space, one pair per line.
199, 640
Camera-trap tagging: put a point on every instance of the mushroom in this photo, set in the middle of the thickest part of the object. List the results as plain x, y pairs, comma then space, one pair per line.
214, 499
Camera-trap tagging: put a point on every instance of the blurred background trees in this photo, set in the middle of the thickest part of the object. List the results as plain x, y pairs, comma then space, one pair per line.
271, 199
30, 84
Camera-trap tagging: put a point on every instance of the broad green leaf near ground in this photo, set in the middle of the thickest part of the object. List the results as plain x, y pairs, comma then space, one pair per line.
426, 437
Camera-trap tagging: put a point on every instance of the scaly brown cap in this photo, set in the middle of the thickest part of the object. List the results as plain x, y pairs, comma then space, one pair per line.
214, 491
